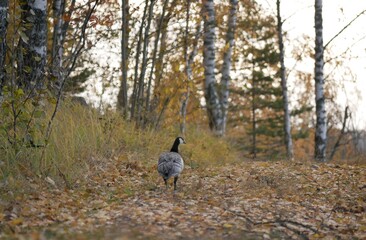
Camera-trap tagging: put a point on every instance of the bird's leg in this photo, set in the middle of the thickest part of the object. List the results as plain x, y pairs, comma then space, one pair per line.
175, 182
166, 183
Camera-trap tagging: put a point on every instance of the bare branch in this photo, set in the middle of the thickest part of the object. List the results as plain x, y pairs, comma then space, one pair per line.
344, 28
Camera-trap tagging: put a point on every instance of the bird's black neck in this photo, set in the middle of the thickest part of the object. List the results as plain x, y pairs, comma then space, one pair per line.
175, 147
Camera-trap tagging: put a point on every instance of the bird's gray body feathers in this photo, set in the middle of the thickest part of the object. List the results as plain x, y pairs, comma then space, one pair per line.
170, 164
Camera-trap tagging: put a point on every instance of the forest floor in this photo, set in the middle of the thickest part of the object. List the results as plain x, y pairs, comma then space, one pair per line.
251, 200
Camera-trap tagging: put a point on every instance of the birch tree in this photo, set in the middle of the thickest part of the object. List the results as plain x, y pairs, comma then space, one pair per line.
4, 7
214, 110
286, 112
225, 71
321, 122
33, 44
58, 39
217, 101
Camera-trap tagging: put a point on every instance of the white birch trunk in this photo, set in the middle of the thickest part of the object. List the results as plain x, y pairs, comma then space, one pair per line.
287, 122
212, 99
225, 71
34, 49
321, 123
57, 43
4, 7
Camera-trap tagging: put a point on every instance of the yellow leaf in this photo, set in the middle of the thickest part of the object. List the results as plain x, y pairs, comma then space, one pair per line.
316, 236
227, 225
362, 228
16, 221
264, 164
176, 67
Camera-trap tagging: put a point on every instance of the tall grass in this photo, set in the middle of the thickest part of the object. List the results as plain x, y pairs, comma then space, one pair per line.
82, 138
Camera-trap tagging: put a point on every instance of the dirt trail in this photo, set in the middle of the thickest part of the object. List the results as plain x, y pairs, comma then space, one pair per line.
256, 200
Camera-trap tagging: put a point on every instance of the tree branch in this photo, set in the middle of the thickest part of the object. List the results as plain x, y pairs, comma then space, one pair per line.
344, 28
337, 144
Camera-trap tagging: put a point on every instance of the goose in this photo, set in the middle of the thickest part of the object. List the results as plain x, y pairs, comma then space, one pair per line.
171, 163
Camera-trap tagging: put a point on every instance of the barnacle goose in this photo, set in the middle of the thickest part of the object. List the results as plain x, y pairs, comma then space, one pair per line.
171, 163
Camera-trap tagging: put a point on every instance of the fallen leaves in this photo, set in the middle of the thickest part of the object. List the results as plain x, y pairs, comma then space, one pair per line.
253, 199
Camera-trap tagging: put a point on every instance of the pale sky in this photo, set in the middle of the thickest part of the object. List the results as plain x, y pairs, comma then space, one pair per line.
336, 14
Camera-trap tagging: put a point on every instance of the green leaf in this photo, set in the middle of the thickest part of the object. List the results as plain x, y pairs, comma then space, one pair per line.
19, 92
24, 37
27, 69
38, 113
53, 100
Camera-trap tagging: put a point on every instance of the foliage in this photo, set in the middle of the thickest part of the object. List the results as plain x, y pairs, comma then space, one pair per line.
31, 85
82, 138
259, 84
23, 89
76, 83
277, 200
67, 174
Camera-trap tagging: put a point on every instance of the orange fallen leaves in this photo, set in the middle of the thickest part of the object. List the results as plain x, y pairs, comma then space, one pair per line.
253, 199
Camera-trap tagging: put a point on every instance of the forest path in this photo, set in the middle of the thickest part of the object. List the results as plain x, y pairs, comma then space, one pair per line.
252, 200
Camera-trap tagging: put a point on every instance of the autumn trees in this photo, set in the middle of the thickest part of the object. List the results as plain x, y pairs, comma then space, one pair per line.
202, 61
160, 72
39, 45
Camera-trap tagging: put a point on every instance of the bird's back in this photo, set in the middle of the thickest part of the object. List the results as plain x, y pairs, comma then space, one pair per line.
170, 164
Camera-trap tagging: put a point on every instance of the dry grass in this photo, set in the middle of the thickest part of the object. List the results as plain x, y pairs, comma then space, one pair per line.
82, 139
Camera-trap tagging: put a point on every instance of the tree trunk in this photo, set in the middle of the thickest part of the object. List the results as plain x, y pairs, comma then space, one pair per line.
225, 71
140, 95
59, 37
321, 123
159, 64
286, 112
214, 111
33, 45
342, 133
254, 119
137, 59
4, 8
188, 69
156, 43
122, 100
57, 43
162, 49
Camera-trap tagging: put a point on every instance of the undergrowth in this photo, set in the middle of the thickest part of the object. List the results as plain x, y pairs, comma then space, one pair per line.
82, 139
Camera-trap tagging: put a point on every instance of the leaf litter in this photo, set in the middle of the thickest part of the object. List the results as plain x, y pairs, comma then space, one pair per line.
252, 200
